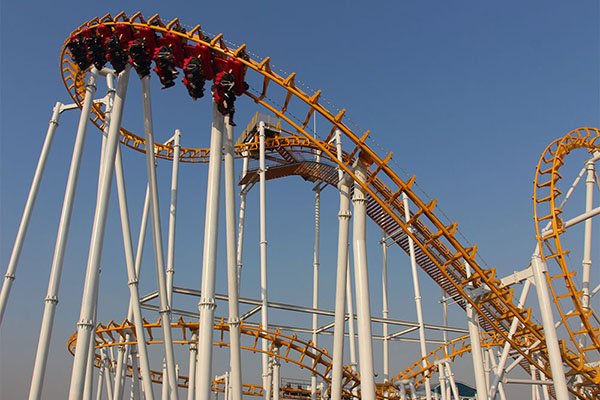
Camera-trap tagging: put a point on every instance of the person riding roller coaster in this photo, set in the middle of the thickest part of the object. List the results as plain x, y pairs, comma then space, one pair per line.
115, 54
96, 53
139, 57
224, 94
78, 51
193, 78
165, 66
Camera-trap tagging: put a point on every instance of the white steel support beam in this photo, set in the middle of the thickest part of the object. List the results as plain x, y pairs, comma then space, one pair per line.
173, 215
315, 294
85, 325
363, 300
165, 310
344, 216
556, 365
240, 238
350, 306
192, 368
266, 374
133, 283
51, 300
450, 376
587, 241
385, 310
232, 274
9, 277
476, 351
207, 303
417, 290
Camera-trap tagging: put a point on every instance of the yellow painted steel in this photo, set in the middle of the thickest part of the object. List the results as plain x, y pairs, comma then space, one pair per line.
444, 256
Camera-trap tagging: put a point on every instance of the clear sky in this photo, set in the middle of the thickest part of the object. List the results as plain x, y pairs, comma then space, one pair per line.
466, 94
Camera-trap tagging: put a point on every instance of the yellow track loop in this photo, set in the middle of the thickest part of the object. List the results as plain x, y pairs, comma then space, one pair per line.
576, 320
287, 348
443, 256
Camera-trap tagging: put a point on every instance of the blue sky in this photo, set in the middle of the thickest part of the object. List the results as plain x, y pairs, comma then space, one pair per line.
466, 94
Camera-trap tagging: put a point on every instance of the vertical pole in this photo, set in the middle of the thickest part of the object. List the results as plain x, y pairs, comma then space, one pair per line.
89, 373
494, 365
363, 301
351, 331
555, 358
165, 310
500, 369
476, 351
441, 371
9, 277
99, 387
135, 383
105, 364
172, 216
165, 385
384, 309
240, 240
587, 241
51, 300
417, 290
192, 367
209, 260
263, 259
344, 216
235, 362
413, 390
535, 395
133, 283
276, 377
450, 376
315, 299
88, 305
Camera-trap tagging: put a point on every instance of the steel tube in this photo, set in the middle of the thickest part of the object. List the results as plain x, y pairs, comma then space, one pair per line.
207, 304
315, 298
351, 318
587, 240
240, 239
476, 351
9, 277
385, 310
165, 311
363, 300
51, 300
173, 215
232, 273
344, 216
192, 367
85, 325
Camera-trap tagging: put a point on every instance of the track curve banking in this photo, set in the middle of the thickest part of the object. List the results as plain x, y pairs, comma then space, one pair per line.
439, 253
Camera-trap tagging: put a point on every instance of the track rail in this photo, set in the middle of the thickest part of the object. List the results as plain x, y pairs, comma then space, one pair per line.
442, 255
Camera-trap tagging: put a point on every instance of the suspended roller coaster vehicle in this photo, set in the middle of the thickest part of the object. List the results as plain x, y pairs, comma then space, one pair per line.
390, 202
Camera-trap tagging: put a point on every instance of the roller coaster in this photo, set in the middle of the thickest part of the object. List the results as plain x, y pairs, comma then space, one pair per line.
559, 355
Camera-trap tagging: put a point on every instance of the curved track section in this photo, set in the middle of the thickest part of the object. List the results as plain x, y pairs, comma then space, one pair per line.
287, 348
582, 327
439, 252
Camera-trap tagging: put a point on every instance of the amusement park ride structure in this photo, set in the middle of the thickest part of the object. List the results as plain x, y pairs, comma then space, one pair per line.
560, 355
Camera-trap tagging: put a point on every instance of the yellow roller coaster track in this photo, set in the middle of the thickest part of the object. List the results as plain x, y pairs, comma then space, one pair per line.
439, 252
288, 348
583, 330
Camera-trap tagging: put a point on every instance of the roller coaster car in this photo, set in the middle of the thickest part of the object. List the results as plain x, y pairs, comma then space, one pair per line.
147, 35
204, 53
139, 57
96, 52
165, 66
78, 52
123, 33
193, 78
175, 43
237, 68
224, 95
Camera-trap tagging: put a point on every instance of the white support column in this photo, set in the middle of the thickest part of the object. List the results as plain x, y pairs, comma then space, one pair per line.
494, 366
363, 300
442, 377
344, 216
99, 385
89, 300
413, 390
500, 369
207, 304
89, 373
105, 364
476, 351
315, 298
232, 283
240, 239
276, 377
165, 310
384, 309
587, 241
135, 382
133, 284
417, 290
51, 300
556, 365
172, 216
192, 367
9, 277
165, 385
350, 306
450, 376
267, 377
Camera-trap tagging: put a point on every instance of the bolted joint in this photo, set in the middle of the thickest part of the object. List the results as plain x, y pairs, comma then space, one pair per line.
85, 324
235, 322
54, 121
9, 276
165, 309
51, 299
345, 214
359, 199
132, 282
207, 303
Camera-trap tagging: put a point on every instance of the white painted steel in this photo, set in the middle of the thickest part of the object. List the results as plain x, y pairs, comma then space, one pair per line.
267, 377
232, 275
315, 294
192, 368
85, 325
165, 311
9, 277
587, 240
173, 215
417, 291
207, 304
344, 216
476, 350
351, 315
385, 310
363, 299
556, 366
240, 240
51, 300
